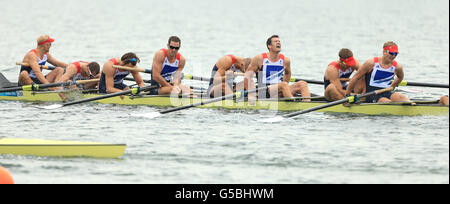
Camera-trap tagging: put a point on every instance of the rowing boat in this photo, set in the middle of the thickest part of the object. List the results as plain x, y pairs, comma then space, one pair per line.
55, 148
402, 108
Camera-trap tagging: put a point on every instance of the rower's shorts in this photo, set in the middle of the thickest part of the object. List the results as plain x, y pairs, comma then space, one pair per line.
375, 98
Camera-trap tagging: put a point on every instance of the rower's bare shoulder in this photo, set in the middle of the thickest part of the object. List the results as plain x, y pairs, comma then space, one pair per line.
159, 56
30, 56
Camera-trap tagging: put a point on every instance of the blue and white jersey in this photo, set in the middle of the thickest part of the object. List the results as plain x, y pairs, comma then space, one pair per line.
40, 62
380, 77
271, 72
170, 68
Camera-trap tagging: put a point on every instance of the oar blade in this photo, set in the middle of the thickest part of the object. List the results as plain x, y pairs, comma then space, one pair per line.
276, 119
151, 115
50, 107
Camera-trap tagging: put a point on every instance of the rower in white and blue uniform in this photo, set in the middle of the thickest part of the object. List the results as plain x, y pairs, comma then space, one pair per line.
168, 64
40, 56
111, 80
274, 72
223, 75
338, 74
381, 72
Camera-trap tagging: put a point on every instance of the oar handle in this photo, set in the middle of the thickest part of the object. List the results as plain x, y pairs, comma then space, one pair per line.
86, 81
136, 69
41, 66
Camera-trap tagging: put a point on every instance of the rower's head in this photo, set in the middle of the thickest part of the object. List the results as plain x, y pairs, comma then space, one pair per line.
346, 59
130, 59
45, 42
390, 50
93, 69
173, 45
274, 43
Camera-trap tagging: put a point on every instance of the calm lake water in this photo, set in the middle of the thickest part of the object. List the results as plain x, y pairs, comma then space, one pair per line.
223, 146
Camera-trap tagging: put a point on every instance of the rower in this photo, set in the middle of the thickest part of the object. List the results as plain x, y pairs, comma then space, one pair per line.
37, 57
338, 74
167, 67
82, 70
111, 80
379, 73
274, 72
222, 75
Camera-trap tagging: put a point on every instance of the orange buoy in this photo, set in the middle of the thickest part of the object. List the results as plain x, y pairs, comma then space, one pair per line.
5, 176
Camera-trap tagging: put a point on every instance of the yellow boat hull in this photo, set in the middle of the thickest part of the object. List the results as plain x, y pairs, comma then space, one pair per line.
55, 148
403, 109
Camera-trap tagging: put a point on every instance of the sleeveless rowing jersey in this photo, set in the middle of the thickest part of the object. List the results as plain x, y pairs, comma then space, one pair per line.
342, 74
170, 68
271, 72
119, 76
78, 76
229, 81
380, 77
42, 61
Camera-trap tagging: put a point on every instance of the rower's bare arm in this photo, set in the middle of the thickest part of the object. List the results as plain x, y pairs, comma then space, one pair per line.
109, 72
137, 77
177, 76
71, 71
332, 75
56, 62
365, 68
158, 61
249, 84
32, 60
357, 65
287, 70
222, 66
400, 76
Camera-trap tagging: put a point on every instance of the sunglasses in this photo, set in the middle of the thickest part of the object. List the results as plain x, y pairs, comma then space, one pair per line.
90, 74
393, 53
132, 61
172, 47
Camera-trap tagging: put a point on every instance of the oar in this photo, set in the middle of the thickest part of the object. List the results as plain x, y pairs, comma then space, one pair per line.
149, 82
41, 66
188, 76
406, 83
293, 79
131, 91
350, 99
230, 96
148, 71
36, 87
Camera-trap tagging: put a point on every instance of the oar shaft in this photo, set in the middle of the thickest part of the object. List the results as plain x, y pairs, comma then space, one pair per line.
230, 96
36, 87
136, 69
342, 101
405, 83
41, 66
108, 96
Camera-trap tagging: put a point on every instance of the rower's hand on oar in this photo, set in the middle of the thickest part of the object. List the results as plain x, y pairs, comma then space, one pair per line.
176, 90
63, 97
